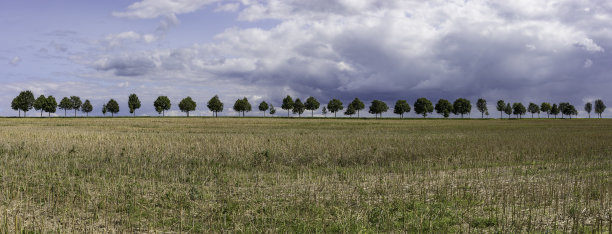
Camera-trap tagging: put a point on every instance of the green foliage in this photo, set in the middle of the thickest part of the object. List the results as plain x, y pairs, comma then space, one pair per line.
40, 103
600, 107
462, 106
401, 107
133, 103
215, 105
567, 109
298, 107
444, 108
113, 107
104, 109
533, 109
518, 109
263, 107
87, 107
312, 104
65, 104
75, 103
357, 105
508, 110
324, 111
23, 102
350, 111
287, 104
423, 106
588, 107
481, 104
378, 107
546, 108
334, 106
242, 105
50, 105
501, 107
162, 104
187, 105
554, 110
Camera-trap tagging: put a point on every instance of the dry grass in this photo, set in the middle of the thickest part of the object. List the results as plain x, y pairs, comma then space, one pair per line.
304, 175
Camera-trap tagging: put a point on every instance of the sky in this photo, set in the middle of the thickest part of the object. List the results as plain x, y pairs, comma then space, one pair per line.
518, 51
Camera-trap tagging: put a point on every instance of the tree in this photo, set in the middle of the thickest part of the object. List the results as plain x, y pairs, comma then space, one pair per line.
518, 109
263, 106
334, 106
215, 105
357, 105
324, 111
113, 107
242, 105
501, 107
600, 107
25, 101
444, 108
40, 103
87, 107
162, 104
287, 104
65, 104
350, 110
104, 109
378, 107
312, 104
462, 106
533, 108
298, 107
569, 110
401, 107
272, 110
588, 107
508, 110
554, 110
15, 105
187, 105
134, 103
76, 104
481, 104
423, 106
545, 107
562, 107
50, 105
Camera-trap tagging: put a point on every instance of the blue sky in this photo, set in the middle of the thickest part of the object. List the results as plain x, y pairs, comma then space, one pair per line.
520, 51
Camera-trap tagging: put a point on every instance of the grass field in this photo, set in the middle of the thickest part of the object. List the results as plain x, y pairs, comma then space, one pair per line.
305, 175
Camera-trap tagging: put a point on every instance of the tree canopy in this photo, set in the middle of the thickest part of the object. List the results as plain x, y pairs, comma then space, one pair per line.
401, 107
187, 105
334, 106
162, 104
312, 104
444, 108
263, 107
546, 108
481, 104
298, 107
133, 103
242, 105
40, 103
423, 106
65, 104
215, 105
533, 108
357, 105
501, 107
518, 109
378, 107
462, 106
600, 107
287, 104
75, 104
113, 107
87, 107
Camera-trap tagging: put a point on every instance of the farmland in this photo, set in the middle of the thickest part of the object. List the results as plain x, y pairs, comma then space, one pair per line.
304, 175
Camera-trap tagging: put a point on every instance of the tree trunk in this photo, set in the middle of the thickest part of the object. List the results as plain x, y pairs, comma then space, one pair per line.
75, 112
187, 113
357, 113
24, 114
335, 114
49, 114
501, 115
41, 113
482, 115
311, 113
65, 113
287, 113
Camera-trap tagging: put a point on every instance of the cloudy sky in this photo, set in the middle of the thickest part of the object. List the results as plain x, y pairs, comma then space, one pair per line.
519, 51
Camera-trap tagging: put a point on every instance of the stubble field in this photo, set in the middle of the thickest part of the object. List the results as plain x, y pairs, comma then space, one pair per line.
304, 175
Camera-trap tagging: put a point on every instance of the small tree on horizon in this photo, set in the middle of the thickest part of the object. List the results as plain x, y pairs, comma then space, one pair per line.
481, 105
334, 106
324, 111
215, 105
546, 108
65, 104
187, 105
263, 107
25, 101
519, 110
40, 103
298, 107
462, 106
533, 108
242, 105
423, 107
272, 110
113, 107
162, 104
378, 107
508, 110
104, 109
588, 107
401, 107
358, 105
50, 105
600, 107
554, 110
76, 104
312, 104
287, 104
444, 108
133, 103
501, 107
350, 111
87, 107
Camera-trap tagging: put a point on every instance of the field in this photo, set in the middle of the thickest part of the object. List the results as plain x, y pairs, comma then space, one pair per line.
305, 175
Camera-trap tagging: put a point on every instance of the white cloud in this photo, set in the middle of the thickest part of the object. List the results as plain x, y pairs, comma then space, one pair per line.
149, 9
230, 7
15, 61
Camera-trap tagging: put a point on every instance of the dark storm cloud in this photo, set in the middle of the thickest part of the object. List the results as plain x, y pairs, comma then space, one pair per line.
127, 66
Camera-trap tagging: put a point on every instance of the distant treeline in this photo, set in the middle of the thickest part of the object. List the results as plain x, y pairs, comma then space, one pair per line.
25, 102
